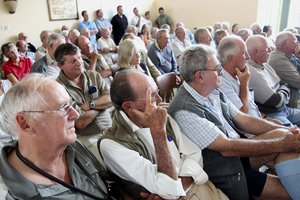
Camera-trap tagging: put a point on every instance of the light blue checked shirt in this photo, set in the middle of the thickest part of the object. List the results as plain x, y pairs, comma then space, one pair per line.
200, 130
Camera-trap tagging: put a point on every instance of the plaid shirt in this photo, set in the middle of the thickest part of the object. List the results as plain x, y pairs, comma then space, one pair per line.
200, 130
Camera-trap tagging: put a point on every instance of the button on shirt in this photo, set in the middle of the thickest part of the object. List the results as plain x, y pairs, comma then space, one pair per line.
129, 165
200, 130
231, 87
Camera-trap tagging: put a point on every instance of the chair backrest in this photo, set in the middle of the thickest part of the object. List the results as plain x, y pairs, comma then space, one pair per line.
166, 83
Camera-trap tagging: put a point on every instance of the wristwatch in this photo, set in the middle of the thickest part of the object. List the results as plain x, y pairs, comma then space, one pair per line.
92, 105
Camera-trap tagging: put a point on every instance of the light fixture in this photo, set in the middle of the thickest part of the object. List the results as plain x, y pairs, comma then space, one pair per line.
11, 5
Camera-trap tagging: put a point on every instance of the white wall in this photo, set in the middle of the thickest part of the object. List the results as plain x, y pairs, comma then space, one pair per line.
32, 16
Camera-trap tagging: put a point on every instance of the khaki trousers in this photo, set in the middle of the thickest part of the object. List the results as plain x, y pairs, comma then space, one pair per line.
206, 191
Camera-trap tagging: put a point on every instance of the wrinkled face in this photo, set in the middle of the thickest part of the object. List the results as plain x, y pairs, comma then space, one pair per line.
85, 45
85, 32
73, 66
262, 52
206, 39
53, 46
140, 86
210, 76
136, 57
291, 43
163, 40
241, 57
22, 46
245, 36
23, 36
180, 34
105, 33
55, 127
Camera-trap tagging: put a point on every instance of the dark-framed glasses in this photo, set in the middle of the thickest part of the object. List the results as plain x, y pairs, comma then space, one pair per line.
65, 109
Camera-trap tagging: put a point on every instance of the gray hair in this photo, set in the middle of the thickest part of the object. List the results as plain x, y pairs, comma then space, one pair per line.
160, 33
282, 37
121, 89
25, 95
198, 35
228, 47
193, 59
126, 52
253, 43
44, 34
54, 37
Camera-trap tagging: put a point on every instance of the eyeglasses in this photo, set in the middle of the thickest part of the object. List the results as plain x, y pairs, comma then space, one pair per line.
153, 96
218, 69
65, 109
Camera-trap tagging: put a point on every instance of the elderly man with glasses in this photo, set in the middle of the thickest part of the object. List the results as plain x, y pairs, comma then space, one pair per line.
217, 127
46, 161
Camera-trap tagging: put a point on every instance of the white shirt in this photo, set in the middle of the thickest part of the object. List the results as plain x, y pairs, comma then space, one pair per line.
179, 47
129, 165
135, 20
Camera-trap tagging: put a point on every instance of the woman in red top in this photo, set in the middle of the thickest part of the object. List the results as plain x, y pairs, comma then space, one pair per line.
16, 67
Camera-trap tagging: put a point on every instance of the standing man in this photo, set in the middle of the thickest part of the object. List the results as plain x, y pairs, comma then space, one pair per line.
286, 43
89, 91
212, 122
91, 26
137, 20
163, 19
102, 23
119, 23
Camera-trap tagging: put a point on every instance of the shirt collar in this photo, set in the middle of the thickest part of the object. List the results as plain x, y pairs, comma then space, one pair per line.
198, 97
132, 125
50, 61
254, 64
228, 76
157, 46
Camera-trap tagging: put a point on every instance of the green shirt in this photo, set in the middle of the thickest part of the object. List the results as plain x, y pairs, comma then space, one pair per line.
81, 96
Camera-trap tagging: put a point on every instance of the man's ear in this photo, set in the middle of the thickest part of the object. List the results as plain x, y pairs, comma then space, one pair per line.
126, 106
22, 122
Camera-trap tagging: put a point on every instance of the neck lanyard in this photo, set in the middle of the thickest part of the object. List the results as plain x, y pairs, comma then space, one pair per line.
49, 176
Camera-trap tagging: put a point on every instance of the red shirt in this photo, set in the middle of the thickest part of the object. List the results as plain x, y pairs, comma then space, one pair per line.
18, 71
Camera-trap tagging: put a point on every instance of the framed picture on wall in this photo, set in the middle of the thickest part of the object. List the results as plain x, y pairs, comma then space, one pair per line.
62, 9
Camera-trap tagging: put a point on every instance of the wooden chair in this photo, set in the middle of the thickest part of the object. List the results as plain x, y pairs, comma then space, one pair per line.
166, 83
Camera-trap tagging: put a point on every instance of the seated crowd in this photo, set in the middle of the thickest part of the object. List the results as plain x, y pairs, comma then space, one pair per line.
81, 116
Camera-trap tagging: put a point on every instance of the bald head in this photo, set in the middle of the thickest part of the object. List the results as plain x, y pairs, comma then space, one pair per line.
258, 49
129, 84
84, 44
286, 42
229, 46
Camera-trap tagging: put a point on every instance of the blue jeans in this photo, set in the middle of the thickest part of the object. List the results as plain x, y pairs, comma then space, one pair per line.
288, 116
289, 175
